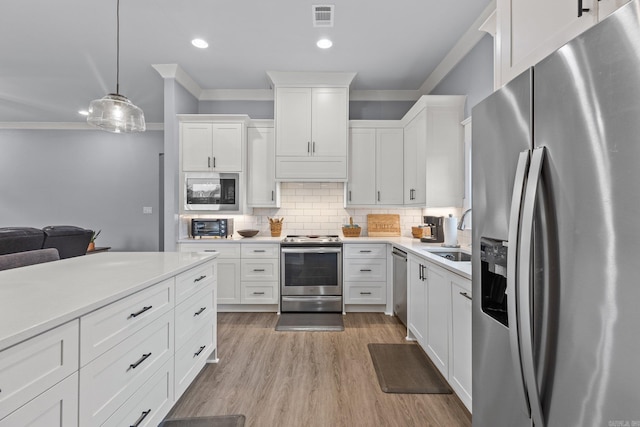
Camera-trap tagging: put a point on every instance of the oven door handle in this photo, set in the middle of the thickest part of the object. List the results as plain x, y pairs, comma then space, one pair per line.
319, 250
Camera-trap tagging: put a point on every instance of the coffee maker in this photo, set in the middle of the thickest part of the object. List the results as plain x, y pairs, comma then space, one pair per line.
435, 224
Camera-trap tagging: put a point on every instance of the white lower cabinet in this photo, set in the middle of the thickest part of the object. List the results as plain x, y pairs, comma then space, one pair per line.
439, 319
148, 405
248, 273
109, 381
365, 274
56, 407
438, 315
192, 357
460, 351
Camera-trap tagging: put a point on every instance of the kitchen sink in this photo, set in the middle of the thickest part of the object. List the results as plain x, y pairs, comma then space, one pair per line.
454, 256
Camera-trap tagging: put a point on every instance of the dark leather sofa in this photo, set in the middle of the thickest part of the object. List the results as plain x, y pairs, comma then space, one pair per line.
70, 241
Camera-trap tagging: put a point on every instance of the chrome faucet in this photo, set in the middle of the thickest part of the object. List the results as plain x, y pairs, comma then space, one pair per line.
461, 224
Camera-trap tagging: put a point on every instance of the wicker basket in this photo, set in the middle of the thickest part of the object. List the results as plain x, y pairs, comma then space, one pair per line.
276, 229
416, 232
351, 231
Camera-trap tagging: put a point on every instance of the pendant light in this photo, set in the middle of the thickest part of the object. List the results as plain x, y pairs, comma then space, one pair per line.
114, 112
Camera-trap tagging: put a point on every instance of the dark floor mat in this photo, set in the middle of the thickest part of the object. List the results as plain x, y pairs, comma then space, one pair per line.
405, 368
310, 322
219, 421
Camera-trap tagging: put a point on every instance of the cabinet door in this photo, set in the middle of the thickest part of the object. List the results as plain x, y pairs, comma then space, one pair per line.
444, 160
293, 121
607, 7
362, 167
261, 187
415, 135
228, 281
196, 146
329, 122
438, 313
416, 300
529, 30
460, 369
227, 147
389, 161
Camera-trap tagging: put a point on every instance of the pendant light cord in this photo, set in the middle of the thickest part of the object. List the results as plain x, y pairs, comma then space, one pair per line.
118, 47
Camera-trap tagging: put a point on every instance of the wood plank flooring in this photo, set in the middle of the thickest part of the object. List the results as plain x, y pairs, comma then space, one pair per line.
309, 378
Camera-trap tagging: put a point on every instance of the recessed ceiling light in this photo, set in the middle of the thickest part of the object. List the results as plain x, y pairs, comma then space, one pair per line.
83, 112
324, 43
199, 43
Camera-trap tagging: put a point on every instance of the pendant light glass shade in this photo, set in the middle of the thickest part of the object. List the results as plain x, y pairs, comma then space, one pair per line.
115, 113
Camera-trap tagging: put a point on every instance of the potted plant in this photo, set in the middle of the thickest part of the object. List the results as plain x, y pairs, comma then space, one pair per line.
92, 244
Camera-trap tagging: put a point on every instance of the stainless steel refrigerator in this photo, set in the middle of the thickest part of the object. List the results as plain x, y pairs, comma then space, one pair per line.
556, 237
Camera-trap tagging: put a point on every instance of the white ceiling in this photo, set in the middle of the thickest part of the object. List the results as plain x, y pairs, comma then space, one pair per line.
57, 55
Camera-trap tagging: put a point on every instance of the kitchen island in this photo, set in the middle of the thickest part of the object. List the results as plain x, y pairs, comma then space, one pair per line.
106, 339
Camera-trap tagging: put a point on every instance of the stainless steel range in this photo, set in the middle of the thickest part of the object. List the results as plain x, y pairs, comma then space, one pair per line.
311, 274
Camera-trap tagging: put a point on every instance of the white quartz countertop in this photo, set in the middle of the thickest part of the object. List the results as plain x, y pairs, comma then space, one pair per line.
408, 244
37, 298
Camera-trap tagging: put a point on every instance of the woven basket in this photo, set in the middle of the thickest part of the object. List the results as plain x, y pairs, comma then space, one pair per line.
351, 231
276, 229
416, 232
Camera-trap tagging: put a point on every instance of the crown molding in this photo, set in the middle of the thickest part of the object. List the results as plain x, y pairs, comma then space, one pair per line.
174, 71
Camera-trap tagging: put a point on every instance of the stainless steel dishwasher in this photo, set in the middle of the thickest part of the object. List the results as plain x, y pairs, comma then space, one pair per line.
400, 284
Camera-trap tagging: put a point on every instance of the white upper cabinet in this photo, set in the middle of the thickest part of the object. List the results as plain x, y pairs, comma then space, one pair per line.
529, 30
311, 124
209, 146
262, 189
375, 165
433, 152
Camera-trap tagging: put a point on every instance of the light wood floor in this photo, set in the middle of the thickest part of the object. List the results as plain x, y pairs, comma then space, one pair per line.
309, 378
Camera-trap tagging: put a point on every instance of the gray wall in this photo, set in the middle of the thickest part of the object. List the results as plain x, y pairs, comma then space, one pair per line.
177, 100
87, 178
473, 76
254, 109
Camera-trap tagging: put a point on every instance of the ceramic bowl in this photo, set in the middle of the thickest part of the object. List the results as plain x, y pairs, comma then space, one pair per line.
248, 233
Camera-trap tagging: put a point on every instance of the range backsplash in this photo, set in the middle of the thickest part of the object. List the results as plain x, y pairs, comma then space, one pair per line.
318, 208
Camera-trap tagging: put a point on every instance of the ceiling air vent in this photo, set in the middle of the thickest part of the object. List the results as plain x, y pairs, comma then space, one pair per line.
323, 15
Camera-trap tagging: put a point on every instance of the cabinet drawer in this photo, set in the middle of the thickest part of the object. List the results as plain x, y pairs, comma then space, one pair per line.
365, 251
29, 368
191, 281
259, 270
56, 407
149, 405
365, 270
260, 250
191, 357
192, 314
108, 381
225, 250
264, 293
106, 327
365, 293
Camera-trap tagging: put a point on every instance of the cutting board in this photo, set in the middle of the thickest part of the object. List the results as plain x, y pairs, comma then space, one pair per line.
383, 225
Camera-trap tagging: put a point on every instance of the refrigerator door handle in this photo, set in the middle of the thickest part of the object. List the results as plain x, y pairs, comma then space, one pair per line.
512, 279
525, 262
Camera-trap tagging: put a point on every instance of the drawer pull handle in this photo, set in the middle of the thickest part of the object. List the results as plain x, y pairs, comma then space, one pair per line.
258, 269
365, 293
142, 359
466, 295
197, 353
199, 312
199, 279
210, 250
142, 417
365, 269
258, 293
136, 314
259, 250
365, 252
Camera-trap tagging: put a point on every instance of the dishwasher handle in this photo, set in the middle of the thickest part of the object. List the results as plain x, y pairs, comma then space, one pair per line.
398, 253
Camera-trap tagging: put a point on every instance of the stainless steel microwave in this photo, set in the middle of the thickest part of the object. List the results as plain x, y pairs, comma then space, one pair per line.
210, 191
